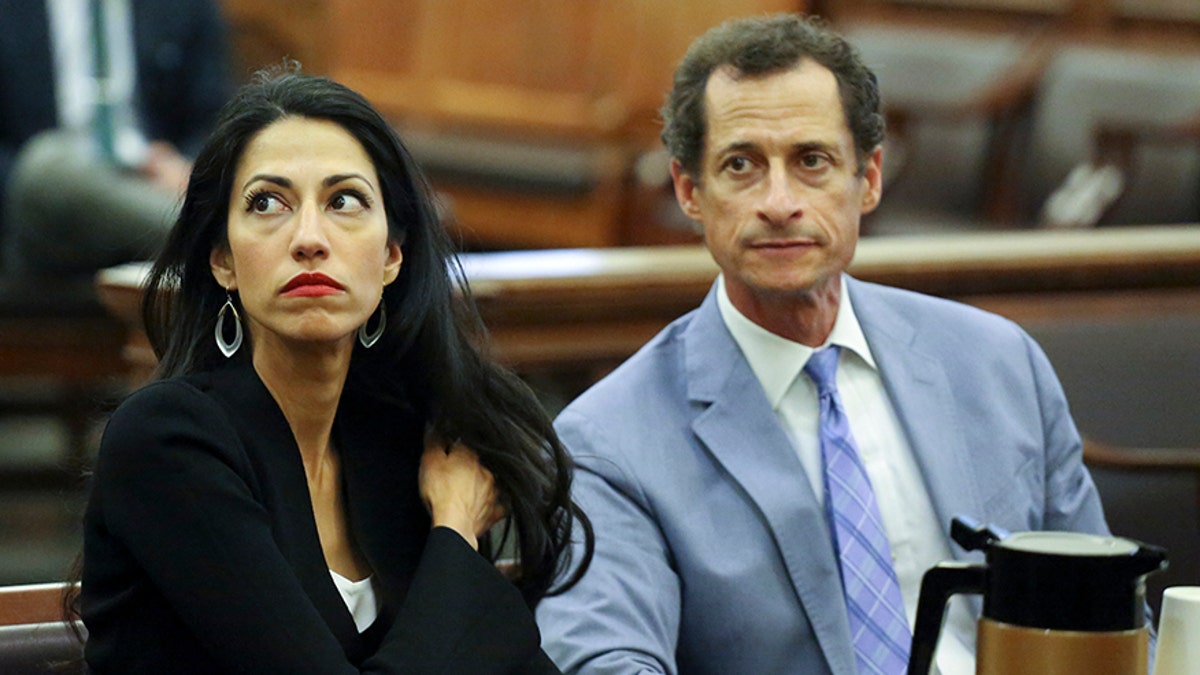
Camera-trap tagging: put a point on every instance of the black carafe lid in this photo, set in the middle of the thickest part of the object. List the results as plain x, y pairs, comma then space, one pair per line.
1063, 580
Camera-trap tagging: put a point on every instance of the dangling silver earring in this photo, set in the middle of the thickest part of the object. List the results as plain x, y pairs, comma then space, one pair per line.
228, 348
368, 340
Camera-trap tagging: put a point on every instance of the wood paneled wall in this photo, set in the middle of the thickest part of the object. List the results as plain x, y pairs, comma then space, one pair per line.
547, 66
587, 76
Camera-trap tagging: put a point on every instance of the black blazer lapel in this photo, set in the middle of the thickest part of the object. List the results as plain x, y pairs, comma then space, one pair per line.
269, 440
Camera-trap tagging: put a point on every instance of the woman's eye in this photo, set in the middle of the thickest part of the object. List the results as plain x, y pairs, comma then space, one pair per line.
348, 202
264, 202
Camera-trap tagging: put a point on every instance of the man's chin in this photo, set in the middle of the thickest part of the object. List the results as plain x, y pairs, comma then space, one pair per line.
790, 282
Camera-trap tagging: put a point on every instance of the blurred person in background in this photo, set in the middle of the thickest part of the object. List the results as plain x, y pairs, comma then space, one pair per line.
103, 103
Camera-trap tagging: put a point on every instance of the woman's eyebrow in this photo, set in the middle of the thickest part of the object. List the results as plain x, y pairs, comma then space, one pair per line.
268, 178
339, 177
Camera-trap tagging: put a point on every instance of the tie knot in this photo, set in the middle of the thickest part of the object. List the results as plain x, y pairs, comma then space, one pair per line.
822, 370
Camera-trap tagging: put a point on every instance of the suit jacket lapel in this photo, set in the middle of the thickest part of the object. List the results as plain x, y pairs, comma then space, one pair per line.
918, 386
265, 426
740, 430
380, 449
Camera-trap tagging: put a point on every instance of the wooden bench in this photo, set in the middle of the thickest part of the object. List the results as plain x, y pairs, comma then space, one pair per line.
32, 603
588, 309
60, 355
34, 638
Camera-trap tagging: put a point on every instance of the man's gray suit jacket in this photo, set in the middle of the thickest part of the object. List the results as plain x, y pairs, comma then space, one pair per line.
712, 553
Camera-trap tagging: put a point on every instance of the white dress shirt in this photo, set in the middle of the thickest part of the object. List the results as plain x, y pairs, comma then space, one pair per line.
76, 88
360, 599
918, 541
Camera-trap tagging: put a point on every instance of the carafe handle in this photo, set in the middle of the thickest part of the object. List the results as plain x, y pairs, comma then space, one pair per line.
938, 584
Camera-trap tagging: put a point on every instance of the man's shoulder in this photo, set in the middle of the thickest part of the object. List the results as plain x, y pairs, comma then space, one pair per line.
871, 299
963, 336
663, 352
639, 387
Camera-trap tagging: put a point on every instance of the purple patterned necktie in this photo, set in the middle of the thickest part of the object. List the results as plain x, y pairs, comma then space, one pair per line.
873, 601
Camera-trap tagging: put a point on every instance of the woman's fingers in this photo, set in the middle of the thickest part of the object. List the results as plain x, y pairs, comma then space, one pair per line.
458, 490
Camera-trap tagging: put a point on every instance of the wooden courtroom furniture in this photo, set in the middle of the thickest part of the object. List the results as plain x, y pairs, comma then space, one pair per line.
1135, 149
956, 102
1148, 20
527, 115
33, 648
60, 355
1130, 379
589, 309
994, 155
988, 114
32, 603
1093, 87
33, 635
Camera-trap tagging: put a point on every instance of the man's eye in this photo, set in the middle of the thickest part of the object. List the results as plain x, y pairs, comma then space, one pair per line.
738, 164
813, 161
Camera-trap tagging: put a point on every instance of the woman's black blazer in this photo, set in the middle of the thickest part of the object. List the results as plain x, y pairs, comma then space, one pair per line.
201, 554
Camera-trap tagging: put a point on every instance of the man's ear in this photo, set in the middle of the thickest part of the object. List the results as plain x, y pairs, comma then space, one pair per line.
685, 191
391, 268
873, 175
220, 261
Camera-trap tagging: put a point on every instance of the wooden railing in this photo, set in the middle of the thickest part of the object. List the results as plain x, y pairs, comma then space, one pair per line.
587, 309
32, 603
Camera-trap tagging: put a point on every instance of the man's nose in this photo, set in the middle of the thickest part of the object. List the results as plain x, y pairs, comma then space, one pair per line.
781, 203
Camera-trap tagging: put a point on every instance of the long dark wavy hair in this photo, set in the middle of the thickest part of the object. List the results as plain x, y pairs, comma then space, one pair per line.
429, 357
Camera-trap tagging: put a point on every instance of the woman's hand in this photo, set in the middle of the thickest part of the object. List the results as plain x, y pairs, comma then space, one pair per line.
458, 491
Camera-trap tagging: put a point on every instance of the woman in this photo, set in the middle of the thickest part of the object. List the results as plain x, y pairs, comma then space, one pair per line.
305, 486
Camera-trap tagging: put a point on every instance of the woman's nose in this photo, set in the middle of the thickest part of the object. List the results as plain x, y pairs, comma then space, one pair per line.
309, 239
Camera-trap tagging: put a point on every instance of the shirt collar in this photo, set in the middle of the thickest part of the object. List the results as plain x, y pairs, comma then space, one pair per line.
775, 360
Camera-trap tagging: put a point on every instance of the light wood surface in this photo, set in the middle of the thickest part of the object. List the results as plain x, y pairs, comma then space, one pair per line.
591, 308
32, 603
589, 75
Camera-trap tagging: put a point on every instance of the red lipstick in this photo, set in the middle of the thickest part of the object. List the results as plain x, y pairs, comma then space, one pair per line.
310, 285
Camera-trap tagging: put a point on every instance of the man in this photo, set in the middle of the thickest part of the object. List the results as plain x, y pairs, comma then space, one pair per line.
161, 73
709, 462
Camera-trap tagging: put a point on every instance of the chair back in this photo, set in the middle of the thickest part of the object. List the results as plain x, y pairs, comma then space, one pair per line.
1131, 384
1089, 85
933, 83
